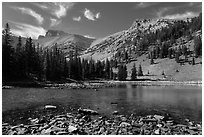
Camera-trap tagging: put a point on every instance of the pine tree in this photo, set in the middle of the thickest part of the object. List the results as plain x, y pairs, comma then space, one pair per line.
161, 54
107, 69
7, 55
124, 72
197, 46
193, 61
177, 56
19, 57
152, 60
169, 53
140, 72
185, 52
120, 72
19, 45
134, 73
111, 73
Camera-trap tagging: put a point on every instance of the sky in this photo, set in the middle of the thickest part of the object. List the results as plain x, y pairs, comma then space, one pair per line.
90, 19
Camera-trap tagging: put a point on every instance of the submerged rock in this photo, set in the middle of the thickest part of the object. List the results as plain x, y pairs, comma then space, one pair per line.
88, 111
115, 112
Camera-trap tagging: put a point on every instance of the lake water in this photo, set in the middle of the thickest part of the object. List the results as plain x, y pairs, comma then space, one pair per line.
178, 101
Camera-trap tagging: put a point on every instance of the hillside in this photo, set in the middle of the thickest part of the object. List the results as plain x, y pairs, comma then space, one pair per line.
108, 46
137, 44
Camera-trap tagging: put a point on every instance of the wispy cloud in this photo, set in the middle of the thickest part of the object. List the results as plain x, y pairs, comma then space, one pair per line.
90, 15
40, 5
27, 30
58, 9
161, 11
144, 4
54, 22
77, 18
194, 4
30, 12
181, 16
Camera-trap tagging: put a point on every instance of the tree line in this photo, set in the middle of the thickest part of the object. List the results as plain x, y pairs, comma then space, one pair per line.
30, 61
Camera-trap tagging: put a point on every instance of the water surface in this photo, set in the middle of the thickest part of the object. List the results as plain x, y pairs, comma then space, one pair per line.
179, 101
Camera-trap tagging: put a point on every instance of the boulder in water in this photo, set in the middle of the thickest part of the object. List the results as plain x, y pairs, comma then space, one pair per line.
88, 111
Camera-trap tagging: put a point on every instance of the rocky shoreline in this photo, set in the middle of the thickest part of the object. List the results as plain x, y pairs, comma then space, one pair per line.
104, 84
90, 122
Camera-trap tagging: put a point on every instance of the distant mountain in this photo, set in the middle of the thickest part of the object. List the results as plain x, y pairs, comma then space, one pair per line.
54, 33
65, 41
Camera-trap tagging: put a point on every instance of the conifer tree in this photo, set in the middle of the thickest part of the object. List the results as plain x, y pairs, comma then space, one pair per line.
120, 73
197, 46
151, 60
193, 61
111, 73
134, 73
7, 54
177, 56
140, 72
124, 72
107, 69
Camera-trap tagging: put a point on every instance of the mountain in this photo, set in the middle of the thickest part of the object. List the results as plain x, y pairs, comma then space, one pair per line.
106, 47
136, 45
65, 41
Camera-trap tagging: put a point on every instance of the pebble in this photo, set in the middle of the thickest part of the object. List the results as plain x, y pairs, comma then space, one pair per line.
124, 124
157, 132
158, 117
159, 125
50, 107
83, 124
115, 112
71, 128
88, 111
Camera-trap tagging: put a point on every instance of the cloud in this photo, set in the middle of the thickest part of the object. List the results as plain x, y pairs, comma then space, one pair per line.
161, 12
27, 30
191, 4
58, 9
77, 18
98, 15
40, 5
54, 22
90, 15
32, 13
181, 16
90, 37
144, 4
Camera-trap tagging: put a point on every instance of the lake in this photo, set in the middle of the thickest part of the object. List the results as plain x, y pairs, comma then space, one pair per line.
179, 101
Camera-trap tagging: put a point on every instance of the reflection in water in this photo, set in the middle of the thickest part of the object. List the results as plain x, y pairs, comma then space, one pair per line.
181, 102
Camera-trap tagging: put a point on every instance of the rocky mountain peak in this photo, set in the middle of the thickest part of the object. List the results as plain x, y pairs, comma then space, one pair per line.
53, 33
